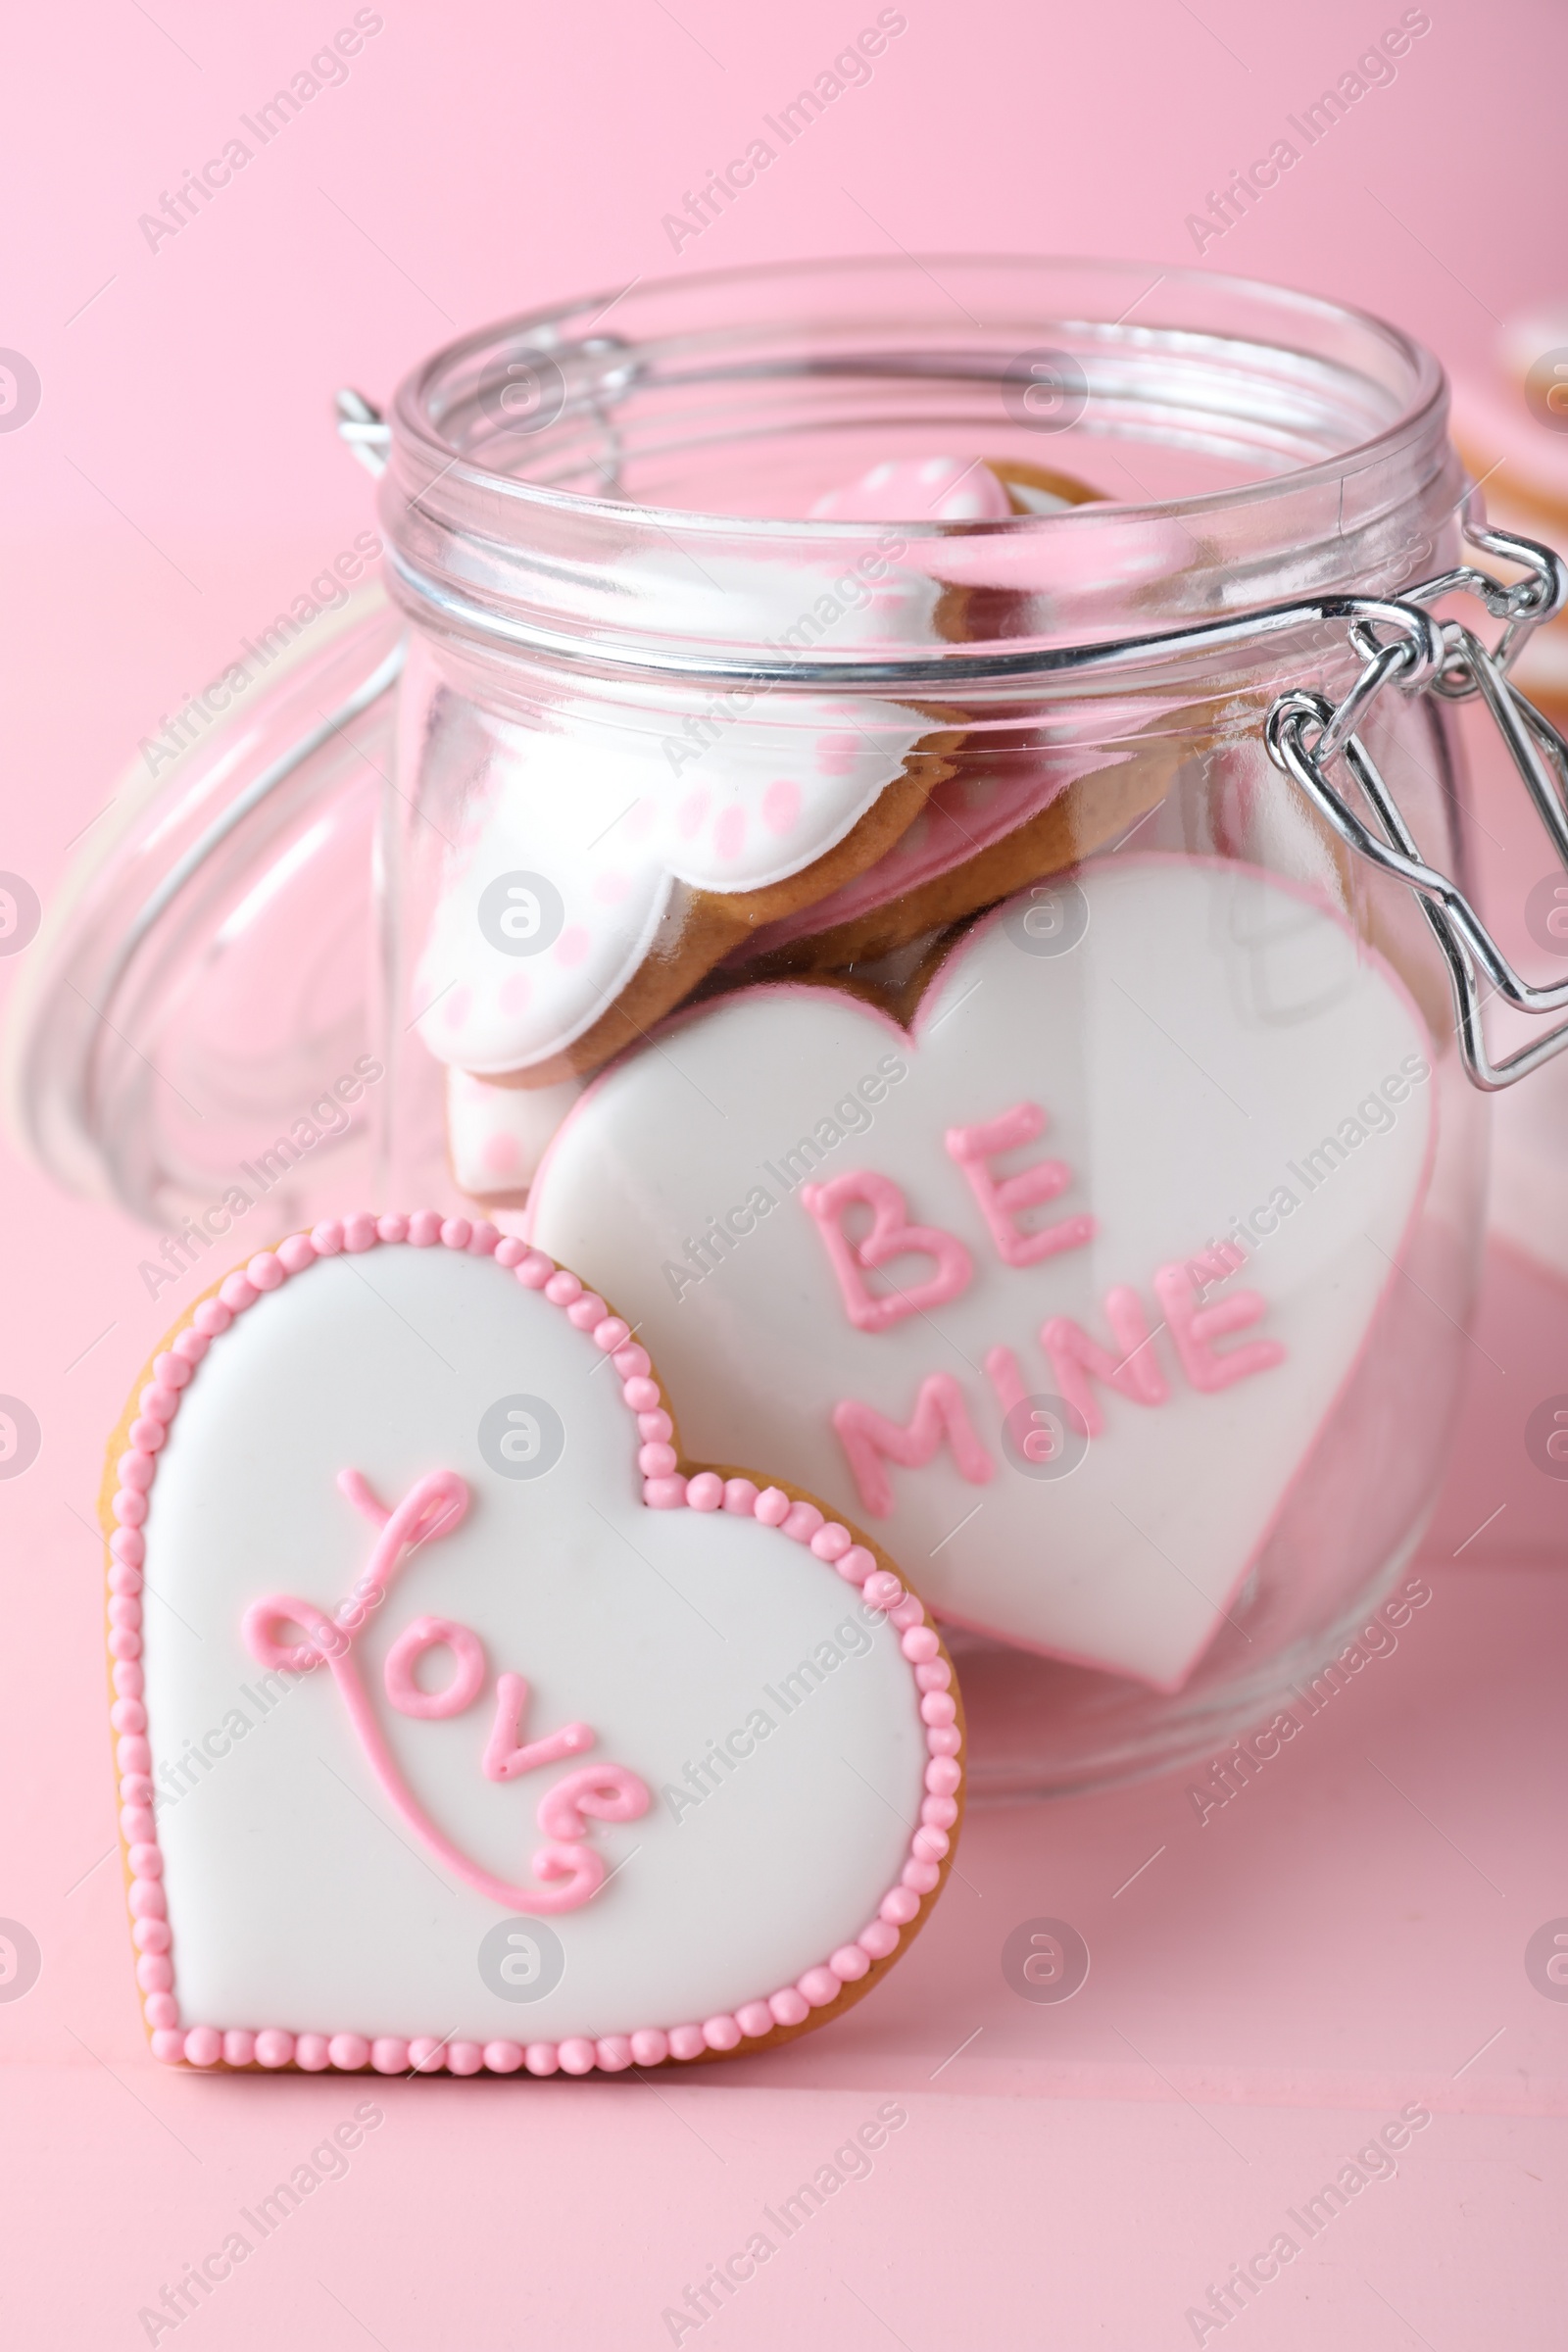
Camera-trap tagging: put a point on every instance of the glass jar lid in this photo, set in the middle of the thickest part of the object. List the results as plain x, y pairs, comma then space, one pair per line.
204, 978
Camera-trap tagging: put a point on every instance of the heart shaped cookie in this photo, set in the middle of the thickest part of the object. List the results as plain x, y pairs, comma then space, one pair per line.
471, 1728
1060, 1291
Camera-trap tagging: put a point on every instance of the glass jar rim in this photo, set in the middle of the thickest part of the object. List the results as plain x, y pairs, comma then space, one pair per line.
423, 396
1336, 420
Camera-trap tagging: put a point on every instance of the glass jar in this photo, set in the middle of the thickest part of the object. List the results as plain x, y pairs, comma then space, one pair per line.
635, 653
833, 891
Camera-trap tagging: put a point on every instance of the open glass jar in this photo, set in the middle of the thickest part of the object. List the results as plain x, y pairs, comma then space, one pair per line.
836, 893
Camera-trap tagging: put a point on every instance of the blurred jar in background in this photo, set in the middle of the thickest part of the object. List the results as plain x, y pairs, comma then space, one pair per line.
1510, 424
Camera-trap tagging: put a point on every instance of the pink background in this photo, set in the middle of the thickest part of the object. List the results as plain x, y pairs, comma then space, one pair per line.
1273, 1986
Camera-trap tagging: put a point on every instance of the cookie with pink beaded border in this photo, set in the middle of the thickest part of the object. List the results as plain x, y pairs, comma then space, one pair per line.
508, 1771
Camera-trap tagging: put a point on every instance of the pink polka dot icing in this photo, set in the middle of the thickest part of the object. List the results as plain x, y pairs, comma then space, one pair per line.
498, 1135
736, 793
781, 805
1072, 562
964, 815
729, 834
499, 1155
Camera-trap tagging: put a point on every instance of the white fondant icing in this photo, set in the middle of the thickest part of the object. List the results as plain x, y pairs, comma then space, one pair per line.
1210, 1027
827, 599
497, 1135
296, 1896
612, 818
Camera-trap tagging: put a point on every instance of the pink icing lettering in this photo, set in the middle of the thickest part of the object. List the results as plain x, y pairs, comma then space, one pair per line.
569, 1872
891, 1235
869, 1439
415, 1639
607, 1791
1002, 1199
507, 1754
1074, 1356
432, 1506
1194, 1329
1001, 1370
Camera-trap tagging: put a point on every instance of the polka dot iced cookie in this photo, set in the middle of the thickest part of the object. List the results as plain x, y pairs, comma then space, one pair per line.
608, 863
607, 870
986, 832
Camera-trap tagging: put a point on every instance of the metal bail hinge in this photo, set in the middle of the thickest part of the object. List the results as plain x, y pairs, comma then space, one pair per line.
1306, 735
363, 429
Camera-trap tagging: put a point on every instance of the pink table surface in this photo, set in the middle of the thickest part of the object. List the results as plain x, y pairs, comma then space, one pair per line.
1346, 1937
1267, 1990
1342, 1943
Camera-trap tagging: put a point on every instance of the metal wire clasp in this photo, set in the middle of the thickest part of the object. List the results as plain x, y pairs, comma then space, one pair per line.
1306, 735
364, 432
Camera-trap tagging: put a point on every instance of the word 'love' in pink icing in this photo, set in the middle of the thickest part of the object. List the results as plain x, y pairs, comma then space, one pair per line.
571, 1870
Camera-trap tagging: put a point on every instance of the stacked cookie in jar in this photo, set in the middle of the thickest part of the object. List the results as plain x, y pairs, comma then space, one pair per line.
845, 909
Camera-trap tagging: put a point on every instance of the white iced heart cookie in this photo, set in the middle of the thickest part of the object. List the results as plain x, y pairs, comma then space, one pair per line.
474, 1731
998, 1272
